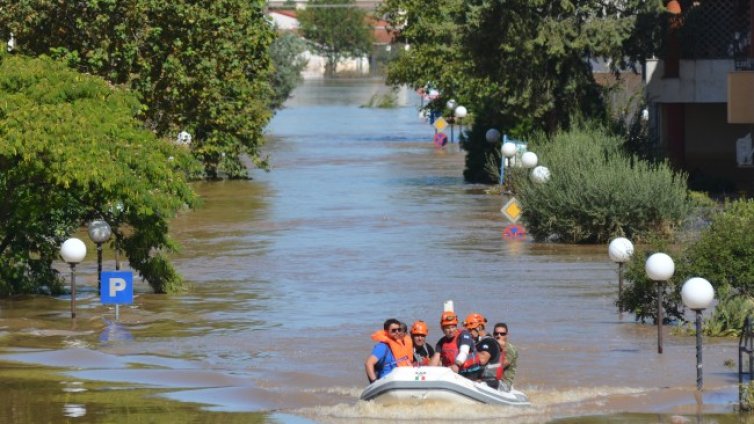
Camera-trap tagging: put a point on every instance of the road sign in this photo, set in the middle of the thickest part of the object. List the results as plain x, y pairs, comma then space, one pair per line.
117, 288
512, 210
441, 124
514, 232
440, 139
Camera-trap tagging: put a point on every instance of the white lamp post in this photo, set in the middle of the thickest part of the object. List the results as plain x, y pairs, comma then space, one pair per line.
460, 112
451, 104
660, 268
508, 149
99, 232
73, 252
620, 251
697, 293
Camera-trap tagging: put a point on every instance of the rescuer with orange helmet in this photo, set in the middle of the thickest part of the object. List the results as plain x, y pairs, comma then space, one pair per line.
456, 348
488, 351
422, 350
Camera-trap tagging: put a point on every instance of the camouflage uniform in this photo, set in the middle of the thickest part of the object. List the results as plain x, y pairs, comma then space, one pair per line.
511, 355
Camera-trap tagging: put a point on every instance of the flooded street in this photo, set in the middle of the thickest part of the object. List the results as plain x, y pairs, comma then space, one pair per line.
360, 219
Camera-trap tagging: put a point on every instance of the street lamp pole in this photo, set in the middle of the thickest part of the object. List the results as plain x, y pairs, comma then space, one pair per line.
73, 252
451, 104
620, 251
99, 232
508, 150
459, 113
660, 268
697, 293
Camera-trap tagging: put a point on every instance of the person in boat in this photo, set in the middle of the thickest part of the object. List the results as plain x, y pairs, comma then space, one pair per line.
404, 328
393, 349
488, 350
510, 354
456, 349
422, 350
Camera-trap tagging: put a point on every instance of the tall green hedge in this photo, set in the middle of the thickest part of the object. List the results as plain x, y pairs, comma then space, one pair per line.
597, 191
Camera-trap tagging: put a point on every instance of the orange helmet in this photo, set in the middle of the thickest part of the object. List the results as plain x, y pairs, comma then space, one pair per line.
474, 320
419, 327
448, 318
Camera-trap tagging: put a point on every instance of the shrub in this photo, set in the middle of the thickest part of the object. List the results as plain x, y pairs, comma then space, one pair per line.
724, 252
640, 293
729, 315
596, 191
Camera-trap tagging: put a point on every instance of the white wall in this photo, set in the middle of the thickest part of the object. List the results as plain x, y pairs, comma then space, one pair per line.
699, 81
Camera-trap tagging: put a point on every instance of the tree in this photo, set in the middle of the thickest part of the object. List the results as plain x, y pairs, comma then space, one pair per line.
201, 66
72, 150
517, 64
337, 28
286, 53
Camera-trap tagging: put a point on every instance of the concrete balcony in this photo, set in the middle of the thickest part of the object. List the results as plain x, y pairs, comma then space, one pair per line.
699, 81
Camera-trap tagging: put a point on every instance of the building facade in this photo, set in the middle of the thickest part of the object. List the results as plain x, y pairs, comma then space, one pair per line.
700, 94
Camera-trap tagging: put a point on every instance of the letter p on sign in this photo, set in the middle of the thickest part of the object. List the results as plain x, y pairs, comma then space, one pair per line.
117, 288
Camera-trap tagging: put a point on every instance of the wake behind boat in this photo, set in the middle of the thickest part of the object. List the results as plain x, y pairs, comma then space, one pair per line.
437, 384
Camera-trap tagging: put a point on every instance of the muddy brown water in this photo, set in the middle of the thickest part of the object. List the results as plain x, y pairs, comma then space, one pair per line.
360, 219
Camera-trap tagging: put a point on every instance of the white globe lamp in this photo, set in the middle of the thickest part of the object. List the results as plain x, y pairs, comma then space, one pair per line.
529, 160
73, 251
659, 267
540, 175
620, 250
460, 112
509, 149
697, 293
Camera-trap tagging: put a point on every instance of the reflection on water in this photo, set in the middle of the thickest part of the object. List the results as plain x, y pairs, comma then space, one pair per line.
360, 219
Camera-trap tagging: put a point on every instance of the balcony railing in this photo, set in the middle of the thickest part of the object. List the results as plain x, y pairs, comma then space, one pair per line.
716, 29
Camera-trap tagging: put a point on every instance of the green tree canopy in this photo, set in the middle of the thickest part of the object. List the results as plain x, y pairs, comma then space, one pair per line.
201, 66
518, 65
337, 28
286, 53
71, 149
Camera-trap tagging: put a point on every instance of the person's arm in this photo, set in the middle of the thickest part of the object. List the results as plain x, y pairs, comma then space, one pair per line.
435, 361
510, 369
369, 368
484, 357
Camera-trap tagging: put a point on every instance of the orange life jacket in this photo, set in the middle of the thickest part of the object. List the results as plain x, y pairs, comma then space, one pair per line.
403, 352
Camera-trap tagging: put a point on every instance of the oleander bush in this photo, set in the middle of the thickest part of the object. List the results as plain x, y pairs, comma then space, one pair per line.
597, 191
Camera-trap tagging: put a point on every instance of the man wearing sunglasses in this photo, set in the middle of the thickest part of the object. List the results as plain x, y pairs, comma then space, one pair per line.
394, 349
510, 354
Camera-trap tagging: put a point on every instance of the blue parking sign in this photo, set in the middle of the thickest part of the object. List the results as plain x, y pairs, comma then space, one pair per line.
117, 288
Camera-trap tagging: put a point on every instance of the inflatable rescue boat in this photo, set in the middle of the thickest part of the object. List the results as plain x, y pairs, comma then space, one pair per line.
437, 384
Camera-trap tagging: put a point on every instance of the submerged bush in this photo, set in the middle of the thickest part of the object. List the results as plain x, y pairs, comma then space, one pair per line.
723, 253
597, 191
639, 295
